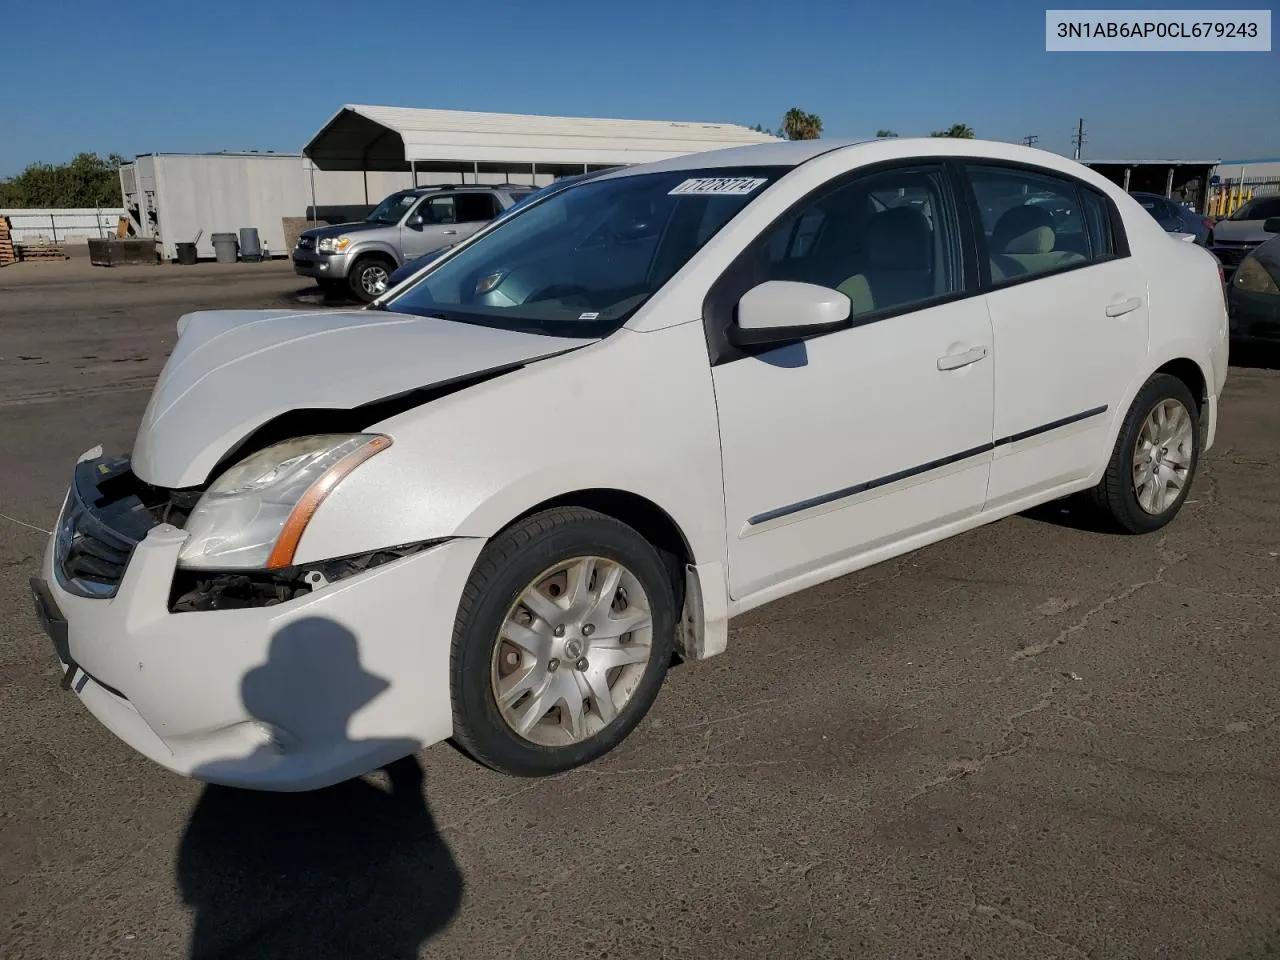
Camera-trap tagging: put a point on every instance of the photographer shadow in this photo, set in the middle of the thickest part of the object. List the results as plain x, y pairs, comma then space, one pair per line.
352, 871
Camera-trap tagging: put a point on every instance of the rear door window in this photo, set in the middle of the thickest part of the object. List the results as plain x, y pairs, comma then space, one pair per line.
476, 207
1035, 223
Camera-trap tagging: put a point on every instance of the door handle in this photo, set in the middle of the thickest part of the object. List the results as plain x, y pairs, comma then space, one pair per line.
954, 361
449, 233
1120, 307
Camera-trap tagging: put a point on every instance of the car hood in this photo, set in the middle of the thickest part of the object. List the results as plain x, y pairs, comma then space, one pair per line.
1241, 231
234, 370
338, 229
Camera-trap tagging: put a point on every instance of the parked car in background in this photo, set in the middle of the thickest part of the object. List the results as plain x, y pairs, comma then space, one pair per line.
358, 258
1236, 235
413, 266
1174, 217
1253, 295
341, 537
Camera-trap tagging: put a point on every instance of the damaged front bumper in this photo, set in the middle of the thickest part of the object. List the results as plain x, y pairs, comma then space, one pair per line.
289, 693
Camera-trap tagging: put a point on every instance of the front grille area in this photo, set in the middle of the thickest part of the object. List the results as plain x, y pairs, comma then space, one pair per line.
107, 513
1231, 254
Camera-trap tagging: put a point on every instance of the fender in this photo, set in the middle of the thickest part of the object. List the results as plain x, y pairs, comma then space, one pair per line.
364, 247
1181, 349
634, 413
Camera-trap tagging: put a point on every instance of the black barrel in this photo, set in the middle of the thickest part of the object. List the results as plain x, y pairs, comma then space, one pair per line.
186, 254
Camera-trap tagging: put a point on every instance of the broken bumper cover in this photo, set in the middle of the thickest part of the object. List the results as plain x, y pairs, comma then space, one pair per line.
294, 696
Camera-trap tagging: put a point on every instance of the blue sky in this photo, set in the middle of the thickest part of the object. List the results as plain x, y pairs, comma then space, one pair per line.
266, 75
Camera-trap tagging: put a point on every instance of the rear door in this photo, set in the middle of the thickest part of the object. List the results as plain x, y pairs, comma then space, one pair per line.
1069, 316
474, 210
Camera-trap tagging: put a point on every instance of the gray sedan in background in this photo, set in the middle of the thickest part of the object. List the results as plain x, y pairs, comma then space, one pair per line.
1234, 237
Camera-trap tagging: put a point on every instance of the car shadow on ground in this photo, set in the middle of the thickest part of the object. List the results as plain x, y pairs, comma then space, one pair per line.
353, 871
1255, 356
1075, 513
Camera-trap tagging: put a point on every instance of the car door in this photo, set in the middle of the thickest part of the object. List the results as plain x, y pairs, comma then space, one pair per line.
855, 443
1069, 314
432, 225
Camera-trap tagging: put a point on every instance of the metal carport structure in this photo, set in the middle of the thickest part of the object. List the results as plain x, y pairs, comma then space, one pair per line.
415, 140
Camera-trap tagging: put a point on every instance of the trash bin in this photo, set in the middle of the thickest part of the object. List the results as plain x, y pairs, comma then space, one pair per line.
225, 247
186, 253
250, 247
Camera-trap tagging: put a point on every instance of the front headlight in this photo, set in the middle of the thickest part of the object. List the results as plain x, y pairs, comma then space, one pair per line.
333, 244
253, 516
1254, 277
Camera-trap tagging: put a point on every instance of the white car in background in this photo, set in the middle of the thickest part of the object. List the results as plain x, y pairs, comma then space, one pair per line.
494, 505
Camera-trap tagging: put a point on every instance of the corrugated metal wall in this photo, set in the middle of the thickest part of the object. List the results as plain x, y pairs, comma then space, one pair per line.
204, 194
62, 224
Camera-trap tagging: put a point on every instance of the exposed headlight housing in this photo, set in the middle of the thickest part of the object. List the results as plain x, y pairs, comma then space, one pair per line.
253, 516
334, 244
1253, 276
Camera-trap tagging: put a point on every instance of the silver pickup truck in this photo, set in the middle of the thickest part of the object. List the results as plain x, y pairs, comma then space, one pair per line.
358, 258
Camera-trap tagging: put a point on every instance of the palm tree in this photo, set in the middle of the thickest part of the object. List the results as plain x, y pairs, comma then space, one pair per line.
798, 125
961, 131
884, 133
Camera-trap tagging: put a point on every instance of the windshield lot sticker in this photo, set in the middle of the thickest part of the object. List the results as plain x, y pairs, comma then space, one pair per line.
719, 186
588, 316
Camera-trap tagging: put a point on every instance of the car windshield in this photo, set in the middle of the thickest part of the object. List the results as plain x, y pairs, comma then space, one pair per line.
1259, 208
391, 209
580, 262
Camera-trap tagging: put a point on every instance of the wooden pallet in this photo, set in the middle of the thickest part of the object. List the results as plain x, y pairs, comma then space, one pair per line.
40, 251
8, 254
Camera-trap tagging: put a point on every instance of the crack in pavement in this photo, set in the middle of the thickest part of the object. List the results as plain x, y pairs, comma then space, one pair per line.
1162, 553
965, 767
23, 523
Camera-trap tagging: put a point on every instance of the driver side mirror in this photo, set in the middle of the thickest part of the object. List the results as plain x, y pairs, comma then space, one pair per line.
416, 221
1271, 224
783, 311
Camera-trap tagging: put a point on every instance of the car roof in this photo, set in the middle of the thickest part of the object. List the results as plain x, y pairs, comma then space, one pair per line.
793, 153
504, 187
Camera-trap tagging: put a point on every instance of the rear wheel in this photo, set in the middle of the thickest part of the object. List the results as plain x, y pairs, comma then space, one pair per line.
563, 637
368, 278
1155, 457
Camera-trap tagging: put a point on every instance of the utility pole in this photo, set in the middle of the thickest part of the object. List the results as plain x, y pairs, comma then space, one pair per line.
1078, 139
1030, 139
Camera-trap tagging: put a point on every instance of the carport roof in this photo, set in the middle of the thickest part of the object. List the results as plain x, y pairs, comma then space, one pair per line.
361, 137
1152, 163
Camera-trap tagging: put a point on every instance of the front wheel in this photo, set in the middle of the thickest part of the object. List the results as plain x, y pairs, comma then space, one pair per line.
563, 637
368, 278
1155, 457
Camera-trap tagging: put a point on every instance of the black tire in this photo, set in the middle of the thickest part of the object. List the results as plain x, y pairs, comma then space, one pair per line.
362, 273
509, 563
1116, 495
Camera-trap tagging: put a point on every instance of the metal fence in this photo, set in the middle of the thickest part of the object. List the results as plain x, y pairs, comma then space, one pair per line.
1230, 195
61, 225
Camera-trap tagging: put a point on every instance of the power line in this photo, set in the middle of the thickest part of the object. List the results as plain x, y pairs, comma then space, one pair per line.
1079, 138
1030, 139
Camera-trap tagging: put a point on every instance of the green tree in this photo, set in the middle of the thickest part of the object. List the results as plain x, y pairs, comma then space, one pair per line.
799, 125
885, 133
87, 181
961, 131
758, 128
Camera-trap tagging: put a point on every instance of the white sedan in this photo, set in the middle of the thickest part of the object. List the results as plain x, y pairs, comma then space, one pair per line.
495, 505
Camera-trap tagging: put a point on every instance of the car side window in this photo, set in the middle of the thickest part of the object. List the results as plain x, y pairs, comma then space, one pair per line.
441, 209
886, 240
476, 207
1032, 222
1097, 216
